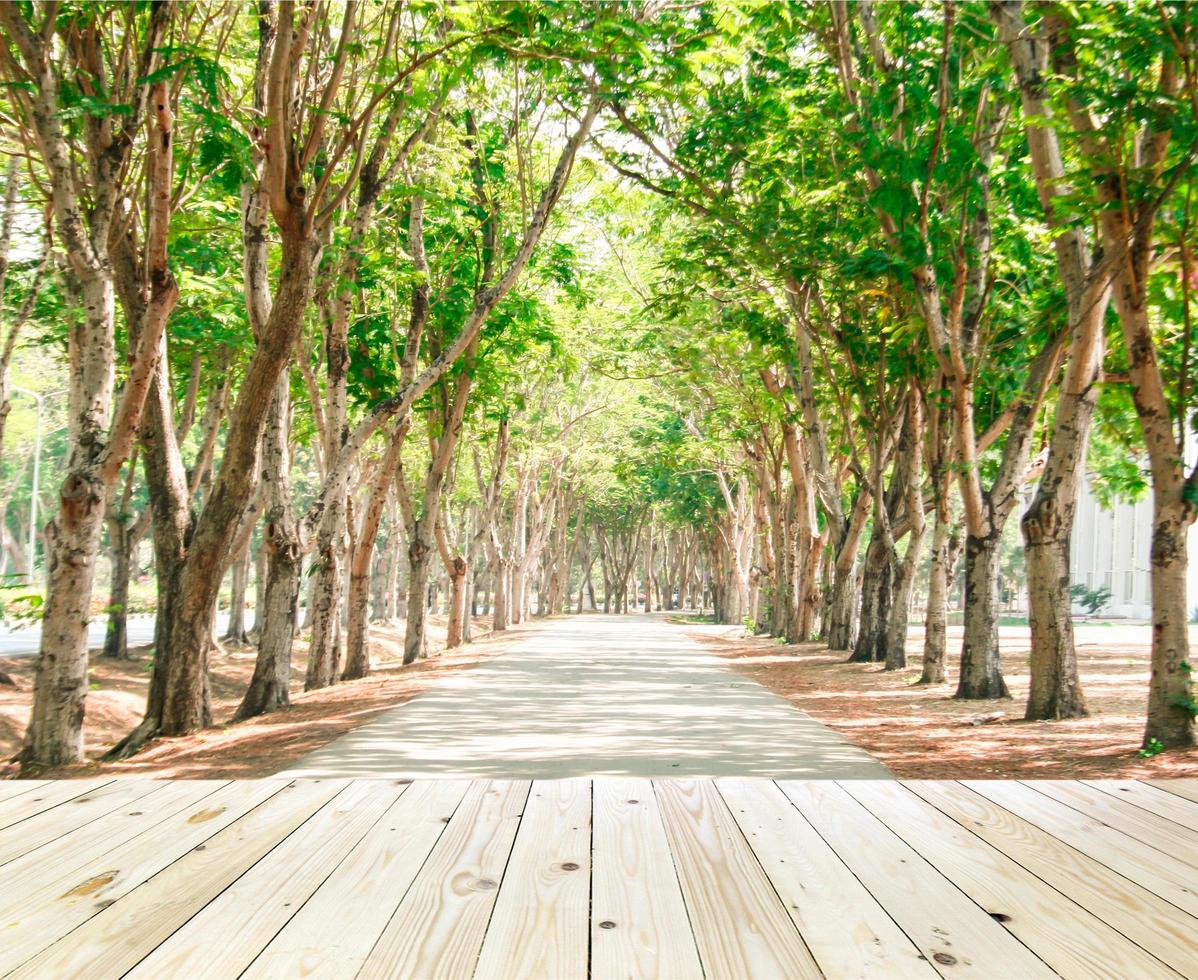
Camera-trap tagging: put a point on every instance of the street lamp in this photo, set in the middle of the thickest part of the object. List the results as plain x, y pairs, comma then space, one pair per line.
37, 460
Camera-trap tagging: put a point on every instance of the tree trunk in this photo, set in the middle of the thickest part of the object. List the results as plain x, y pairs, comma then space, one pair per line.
240, 580
839, 622
420, 557
324, 653
357, 648
1171, 708
259, 588
1048, 524
840, 610
981, 670
935, 644
909, 471
1056, 691
269, 687
900, 601
457, 602
276, 615
502, 577
516, 594
55, 732
380, 579
876, 577
116, 634
357, 652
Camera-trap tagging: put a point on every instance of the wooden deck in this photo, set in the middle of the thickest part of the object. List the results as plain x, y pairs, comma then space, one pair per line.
604, 877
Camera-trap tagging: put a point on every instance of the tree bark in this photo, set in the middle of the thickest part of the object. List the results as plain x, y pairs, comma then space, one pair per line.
236, 632
877, 571
909, 465
981, 669
120, 544
270, 686
839, 618
357, 650
324, 653
1048, 523
98, 450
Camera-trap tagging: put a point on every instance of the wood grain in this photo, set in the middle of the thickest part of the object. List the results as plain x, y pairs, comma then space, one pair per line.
740, 928
1158, 926
639, 923
438, 929
959, 938
539, 928
120, 936
847, 931
1067, 937
1131, 858
365, 889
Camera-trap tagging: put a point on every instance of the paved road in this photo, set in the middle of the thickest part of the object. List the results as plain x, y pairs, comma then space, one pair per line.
601, 696
24, 641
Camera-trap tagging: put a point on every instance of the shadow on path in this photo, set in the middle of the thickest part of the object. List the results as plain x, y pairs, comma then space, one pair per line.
596, 696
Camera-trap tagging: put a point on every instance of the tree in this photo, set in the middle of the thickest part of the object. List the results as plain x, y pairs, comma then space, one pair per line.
117, 88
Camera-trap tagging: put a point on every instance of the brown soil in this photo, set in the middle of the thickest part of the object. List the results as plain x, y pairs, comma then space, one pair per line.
921, 732
251, 749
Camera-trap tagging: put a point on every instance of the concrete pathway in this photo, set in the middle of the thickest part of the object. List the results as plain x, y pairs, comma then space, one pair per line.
596, 696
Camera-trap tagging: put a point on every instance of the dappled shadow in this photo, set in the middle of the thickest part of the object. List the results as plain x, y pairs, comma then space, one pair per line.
924, 732
250, 749
606, 695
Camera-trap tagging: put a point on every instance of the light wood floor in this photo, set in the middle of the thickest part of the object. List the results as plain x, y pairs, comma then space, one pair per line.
604, 877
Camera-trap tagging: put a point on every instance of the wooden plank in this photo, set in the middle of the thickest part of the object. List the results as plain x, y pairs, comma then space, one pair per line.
639, 923
1064, 935
540, 928
224, 938
1163, 834
46, 872
44, 796
118, 937
15, 787
1131, 858
1158, 926
1187, 789
847, 931
78, 813
740, 926
438, 929
66, 890
1158, 801
364, 890
960, 939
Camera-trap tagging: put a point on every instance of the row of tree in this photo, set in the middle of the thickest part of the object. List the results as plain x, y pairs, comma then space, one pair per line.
951, 237
763, 306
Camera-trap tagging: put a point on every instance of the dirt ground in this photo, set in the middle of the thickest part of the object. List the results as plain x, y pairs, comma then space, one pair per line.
921, 732
255, 748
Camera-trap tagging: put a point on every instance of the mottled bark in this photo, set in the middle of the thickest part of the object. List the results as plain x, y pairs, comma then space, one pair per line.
876, 584
357, 650
839, 619
981, 671
1048, 523
908, 462
269, 687
84, 192
238, 586
120, 559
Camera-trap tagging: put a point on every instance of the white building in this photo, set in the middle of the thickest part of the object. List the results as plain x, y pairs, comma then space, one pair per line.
1111, 548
